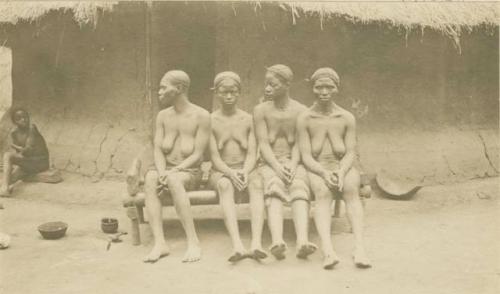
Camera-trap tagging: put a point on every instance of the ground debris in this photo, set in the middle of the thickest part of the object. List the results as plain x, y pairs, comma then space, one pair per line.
483, 195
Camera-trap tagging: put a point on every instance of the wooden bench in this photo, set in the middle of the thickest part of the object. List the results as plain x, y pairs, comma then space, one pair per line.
134, 205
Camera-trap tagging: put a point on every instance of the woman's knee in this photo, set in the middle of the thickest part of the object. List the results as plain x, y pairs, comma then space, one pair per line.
322, 194
224, 185
320, 190
352, 179
151, 178
255, 183
174, 179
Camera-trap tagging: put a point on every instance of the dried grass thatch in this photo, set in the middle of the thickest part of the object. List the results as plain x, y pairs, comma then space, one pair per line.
449, 18
436, 15
84, 12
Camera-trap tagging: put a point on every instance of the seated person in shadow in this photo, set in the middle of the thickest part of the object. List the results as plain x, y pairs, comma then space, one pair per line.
29, 154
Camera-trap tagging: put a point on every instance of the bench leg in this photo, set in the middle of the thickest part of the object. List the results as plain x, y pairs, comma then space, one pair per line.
140, 214
135, 232
336, 208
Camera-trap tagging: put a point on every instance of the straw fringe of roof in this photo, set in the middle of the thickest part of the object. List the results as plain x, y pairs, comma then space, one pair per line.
449, 18
83, 12
437, 15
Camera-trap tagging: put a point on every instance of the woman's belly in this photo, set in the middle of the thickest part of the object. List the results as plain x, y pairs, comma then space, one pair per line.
182, 149
232, 153
282, 149
326, 157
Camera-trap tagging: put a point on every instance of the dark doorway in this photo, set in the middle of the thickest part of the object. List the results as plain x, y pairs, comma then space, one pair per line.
183, 37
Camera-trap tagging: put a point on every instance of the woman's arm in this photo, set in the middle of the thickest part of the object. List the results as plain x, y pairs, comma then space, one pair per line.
251, 157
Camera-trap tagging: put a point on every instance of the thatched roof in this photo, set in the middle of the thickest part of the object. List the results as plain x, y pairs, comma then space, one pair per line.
450, 18
436, 15
84, 12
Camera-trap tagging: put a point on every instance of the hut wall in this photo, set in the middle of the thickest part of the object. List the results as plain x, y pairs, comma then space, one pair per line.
423, 110
84, 87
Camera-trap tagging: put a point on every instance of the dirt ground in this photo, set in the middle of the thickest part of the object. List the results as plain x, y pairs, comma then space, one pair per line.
444, 240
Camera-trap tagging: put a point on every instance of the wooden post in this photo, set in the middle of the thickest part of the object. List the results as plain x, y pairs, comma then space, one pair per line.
135, 232
149, 7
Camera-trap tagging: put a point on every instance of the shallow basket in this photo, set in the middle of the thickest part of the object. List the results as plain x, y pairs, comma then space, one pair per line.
53, 230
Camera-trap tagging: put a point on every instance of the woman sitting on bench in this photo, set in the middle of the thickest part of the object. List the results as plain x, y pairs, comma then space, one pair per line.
233, 150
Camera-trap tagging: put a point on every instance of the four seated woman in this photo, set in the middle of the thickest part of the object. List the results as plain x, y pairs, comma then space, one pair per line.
305, 153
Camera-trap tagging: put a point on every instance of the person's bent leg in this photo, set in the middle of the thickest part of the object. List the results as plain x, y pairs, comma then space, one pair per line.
153, 208
176, 184
257, 211
7, 169
323, 219
11, 173
354, 210
225, 190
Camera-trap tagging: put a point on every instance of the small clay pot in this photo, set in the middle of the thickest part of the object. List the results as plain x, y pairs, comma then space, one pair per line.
109, 225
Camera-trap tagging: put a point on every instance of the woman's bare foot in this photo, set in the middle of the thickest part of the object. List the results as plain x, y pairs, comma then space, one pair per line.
360, 259
237, 256
239, 253
305, 250
330, 260
157, 252
258, 253
193, 253
278, 250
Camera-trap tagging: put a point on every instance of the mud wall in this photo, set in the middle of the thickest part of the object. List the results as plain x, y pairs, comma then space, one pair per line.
85, 87
423, 110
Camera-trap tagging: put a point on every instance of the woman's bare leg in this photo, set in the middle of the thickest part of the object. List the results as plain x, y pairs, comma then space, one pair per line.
354, 209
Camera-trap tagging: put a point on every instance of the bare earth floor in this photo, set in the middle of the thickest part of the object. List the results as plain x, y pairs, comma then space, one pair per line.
445, 240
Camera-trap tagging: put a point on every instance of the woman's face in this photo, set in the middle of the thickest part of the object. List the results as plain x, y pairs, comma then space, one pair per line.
21, 119
228, 92
274, 86
325, 90
168, 91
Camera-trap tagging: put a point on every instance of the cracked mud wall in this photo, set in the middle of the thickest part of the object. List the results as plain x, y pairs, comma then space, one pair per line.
423, 110
85, 88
